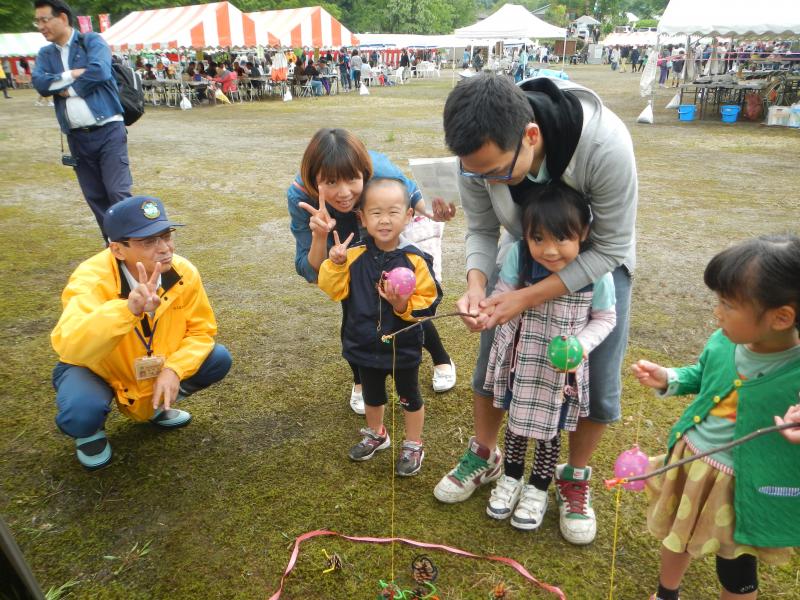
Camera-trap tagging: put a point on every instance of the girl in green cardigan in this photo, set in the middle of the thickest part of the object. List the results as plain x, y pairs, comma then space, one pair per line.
741, 505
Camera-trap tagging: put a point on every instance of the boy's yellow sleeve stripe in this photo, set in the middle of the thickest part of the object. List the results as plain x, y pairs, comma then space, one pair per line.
427, 294
334, 279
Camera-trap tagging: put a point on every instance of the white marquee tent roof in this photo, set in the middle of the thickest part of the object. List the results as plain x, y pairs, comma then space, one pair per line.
21, 44
511, 21
641, 38
731, 17
409, 40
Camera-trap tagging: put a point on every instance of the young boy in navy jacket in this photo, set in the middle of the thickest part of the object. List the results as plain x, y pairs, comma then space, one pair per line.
376, 308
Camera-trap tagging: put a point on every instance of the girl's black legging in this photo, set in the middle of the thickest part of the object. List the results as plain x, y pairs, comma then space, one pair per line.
431, 342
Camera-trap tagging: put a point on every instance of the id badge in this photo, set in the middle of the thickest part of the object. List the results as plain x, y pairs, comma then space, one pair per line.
148, 367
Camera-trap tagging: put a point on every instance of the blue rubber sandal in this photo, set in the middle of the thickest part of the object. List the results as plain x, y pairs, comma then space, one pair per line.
94, 451
171, 418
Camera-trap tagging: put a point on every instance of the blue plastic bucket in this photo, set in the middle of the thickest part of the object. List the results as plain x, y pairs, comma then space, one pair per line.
729, 113
686, 112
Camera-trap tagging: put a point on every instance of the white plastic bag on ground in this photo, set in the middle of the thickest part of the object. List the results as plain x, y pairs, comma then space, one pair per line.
185, 104
287, 95
426, 234
646, 116
675, 102
648, 79
364, 90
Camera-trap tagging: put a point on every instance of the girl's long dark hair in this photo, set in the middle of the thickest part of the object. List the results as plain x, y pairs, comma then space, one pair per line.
556, 209
764, 272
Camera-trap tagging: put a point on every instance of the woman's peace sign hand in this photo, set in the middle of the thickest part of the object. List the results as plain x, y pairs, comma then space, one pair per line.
321, 223
144, 297
338, 252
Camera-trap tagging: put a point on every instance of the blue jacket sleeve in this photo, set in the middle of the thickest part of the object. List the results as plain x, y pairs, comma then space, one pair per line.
41, 77
301, 231
98, 67
383, 167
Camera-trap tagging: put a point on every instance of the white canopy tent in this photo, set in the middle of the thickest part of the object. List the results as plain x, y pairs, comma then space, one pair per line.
511, 21
586, 20
21, 44
409, 40
729, 18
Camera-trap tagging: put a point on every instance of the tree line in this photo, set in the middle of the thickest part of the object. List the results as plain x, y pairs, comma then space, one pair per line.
361, 16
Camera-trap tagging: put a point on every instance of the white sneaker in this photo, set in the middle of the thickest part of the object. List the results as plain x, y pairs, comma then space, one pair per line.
51, 103
476, 467
577, 520
504, 498
37, 103
530, 510
357, 401
444, 377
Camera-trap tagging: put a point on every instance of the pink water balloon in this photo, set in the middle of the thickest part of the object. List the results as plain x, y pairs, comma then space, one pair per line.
403, 280
632, 463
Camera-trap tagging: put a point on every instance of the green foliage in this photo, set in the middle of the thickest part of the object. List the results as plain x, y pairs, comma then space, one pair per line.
16, 16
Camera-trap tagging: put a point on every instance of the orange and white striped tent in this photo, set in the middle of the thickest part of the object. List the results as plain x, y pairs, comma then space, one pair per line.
219, 24
312, 26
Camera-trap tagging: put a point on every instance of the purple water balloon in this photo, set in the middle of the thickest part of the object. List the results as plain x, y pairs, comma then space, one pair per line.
632, 463
403, 280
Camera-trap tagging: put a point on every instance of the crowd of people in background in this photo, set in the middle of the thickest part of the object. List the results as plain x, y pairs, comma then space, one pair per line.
709, 59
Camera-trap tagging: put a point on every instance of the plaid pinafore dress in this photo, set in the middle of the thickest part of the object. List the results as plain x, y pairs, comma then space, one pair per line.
539, 408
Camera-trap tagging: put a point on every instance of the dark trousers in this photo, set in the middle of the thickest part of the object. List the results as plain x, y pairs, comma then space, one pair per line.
103, 168
406, 383
84, 399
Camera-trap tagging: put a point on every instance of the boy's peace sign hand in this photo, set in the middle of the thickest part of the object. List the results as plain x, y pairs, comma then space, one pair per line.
321, 223
144, 297
338, 252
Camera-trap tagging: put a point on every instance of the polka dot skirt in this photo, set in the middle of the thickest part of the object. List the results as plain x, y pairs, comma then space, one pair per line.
691, 510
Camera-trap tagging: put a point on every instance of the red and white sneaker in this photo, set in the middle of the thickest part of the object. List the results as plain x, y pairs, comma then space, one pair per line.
577, 520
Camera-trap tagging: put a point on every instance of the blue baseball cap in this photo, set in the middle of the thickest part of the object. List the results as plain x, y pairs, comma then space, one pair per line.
136, 217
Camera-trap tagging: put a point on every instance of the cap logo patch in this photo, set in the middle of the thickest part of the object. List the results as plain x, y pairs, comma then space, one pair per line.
150, 210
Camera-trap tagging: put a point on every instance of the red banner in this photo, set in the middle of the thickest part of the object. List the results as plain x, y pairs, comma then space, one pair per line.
105, 21
85, 24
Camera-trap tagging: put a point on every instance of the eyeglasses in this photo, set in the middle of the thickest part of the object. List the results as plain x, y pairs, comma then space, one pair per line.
42, 20
151, 242
505, 177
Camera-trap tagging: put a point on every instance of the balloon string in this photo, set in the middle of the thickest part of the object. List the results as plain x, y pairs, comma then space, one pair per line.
610, 483
421, 320
614, 544
391, 462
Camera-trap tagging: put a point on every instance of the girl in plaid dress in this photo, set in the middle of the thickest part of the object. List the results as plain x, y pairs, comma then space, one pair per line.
540, 400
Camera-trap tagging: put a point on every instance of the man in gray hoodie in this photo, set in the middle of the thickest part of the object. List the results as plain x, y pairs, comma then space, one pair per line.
510, 140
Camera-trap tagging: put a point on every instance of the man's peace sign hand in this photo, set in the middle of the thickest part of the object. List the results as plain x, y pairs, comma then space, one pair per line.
144, 297
338, 252
321, 223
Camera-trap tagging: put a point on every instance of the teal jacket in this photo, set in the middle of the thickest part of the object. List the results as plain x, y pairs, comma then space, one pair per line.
767, 469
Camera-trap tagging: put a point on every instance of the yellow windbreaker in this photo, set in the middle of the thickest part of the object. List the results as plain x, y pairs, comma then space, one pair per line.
97, 331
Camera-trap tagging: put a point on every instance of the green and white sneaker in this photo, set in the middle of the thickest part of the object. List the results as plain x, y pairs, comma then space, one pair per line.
477, 466
577, 520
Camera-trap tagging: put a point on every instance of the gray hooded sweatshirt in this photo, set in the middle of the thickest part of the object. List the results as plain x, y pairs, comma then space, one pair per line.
602, 167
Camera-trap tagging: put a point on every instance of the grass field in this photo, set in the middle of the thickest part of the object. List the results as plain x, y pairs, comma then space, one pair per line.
211, 511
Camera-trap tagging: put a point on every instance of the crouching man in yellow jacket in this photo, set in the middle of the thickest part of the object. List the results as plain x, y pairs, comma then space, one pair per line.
137, 328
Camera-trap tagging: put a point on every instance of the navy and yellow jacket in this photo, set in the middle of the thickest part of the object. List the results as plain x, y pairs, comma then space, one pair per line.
766, 493
368, 315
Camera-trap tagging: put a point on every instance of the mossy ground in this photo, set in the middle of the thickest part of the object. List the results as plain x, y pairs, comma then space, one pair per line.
264, 460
